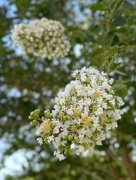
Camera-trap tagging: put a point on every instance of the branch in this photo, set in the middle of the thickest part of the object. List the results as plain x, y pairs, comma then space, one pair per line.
128, 163
11, 123
111, 156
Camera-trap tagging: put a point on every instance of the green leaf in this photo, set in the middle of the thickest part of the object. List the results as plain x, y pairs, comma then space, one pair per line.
119, 21
97, 53
116, 4
97, 6
120, 73
115, 40
123, 81
115, 66
89, 38
120, 90
113, 50
109, 38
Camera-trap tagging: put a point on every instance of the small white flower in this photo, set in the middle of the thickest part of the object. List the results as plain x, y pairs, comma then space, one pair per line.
83, 77
99, 142
75, 73
50, 138
43, 38
40, 140
84, 112
59, 155
80, 150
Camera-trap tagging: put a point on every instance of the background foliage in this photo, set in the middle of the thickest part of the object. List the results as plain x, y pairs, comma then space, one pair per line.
102, 34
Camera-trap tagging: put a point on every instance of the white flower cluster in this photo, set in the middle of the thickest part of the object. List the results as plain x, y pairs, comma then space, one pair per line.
44, 38
82, 114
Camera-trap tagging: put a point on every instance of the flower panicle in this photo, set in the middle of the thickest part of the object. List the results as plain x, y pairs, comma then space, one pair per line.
83, 113
43, 38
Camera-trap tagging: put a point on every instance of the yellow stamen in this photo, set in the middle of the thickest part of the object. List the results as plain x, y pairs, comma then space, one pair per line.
97, 94
104, 117
38, 25
73, 91
76, 112
74, 128
85, 120
46, 126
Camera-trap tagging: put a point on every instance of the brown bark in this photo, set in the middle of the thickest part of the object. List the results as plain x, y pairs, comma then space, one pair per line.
128, 163
112, 157
115, 173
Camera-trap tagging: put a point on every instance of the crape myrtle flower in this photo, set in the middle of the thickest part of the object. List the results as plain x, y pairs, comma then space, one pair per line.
82, 114
43, 38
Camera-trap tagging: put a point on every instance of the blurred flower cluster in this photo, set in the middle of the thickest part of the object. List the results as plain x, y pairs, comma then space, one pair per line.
83, 113
43, 38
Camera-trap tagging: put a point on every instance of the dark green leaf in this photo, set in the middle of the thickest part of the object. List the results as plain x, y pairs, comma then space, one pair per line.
115, 40
97, 53
123, 81
116, 4
97, 6
115, 66
119, 21
120, 90
109, 38
113, 50
89, 38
